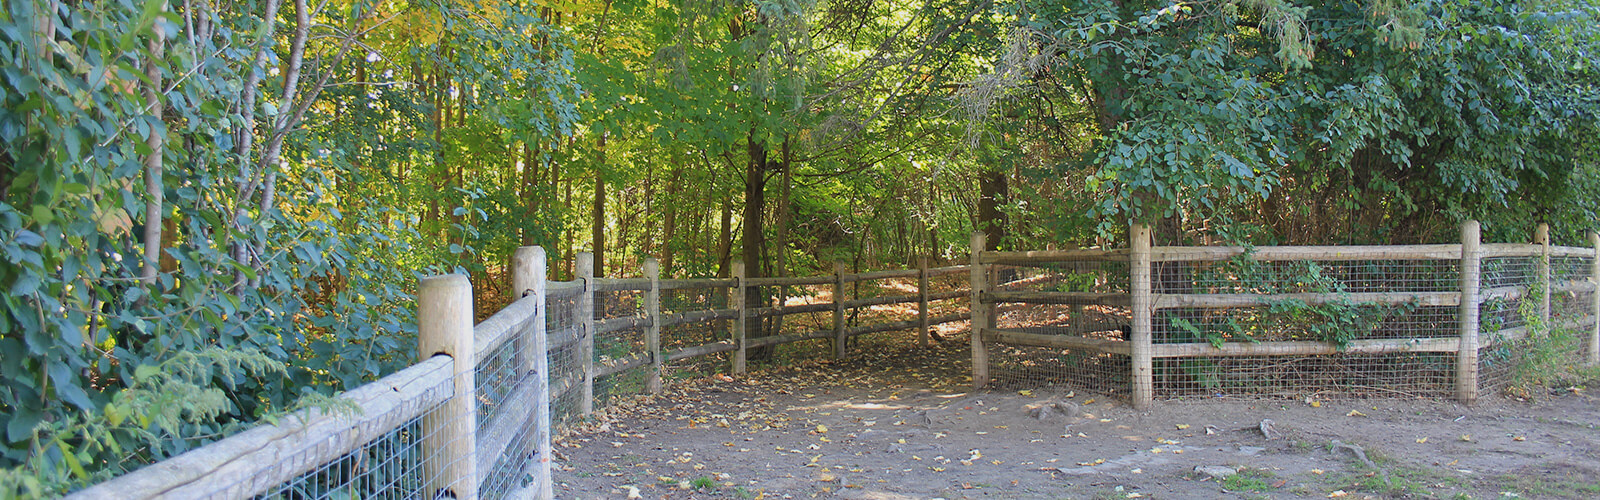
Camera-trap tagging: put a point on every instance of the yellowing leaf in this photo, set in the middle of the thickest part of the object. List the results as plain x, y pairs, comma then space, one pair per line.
1183, 426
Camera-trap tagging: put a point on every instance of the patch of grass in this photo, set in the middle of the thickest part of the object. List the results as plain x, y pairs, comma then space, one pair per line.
743, 493
703, 483
1249, 479
1558, 482
1391, 479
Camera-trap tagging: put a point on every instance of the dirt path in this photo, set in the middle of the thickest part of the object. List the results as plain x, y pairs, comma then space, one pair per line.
897, 424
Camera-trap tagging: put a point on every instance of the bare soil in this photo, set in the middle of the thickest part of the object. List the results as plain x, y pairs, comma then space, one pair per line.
897, 422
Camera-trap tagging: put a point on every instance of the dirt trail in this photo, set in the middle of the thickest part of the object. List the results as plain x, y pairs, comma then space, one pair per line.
896, 423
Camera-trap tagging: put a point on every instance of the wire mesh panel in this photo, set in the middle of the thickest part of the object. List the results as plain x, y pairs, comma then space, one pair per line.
564, 327
394, 465
1322, 376
1097, 370
684, 301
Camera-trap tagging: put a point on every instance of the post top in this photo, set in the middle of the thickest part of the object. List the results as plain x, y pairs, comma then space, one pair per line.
444, 281
529, 251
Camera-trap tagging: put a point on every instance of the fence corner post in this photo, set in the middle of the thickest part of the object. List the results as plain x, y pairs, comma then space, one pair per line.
1541, 237
444, 326
839, 348
529, 266
1467, 349
584, 264
741, 356
982, 319
1142, 308
1594, 313
652, 333
922, 303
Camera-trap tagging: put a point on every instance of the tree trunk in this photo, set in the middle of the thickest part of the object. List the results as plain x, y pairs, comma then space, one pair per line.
670, 225
153, 164
992, 191
598, 217
530, 190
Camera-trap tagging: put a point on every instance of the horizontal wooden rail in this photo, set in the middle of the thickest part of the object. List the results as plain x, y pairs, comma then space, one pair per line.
621, 285
1053, 256
698, 284
698, 316
1306, 347
562, 336
1220, 301
1313, 253
1571, 252
809, 280
1073, 298
941, 271
563, 289
765, 312
299, 443
880, 301
620, 324
881, 275
502, 326
701, 350
948, 318
758, 342
510, 419
1016, 337
1512, 250
615, 366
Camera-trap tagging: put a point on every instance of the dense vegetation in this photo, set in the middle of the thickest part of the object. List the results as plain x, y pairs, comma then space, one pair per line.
214, 211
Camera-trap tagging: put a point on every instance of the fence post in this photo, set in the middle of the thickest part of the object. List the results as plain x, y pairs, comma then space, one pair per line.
584, 263
528, 268
1541, 237
1594, 314
1467, 349
444, 326
741, 357
922, 302
652, 333
1143, 311
838, 311
982, 315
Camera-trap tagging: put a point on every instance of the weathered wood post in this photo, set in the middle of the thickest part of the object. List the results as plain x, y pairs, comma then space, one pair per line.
982, 314
740, 357
1541, 237
444, 326
922, 302
528, 268
1143, 311
1594, 277
652, 333
838, 311
584, 263
1467, 349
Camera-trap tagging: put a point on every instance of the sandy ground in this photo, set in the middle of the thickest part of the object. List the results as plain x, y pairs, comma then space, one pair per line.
899, 424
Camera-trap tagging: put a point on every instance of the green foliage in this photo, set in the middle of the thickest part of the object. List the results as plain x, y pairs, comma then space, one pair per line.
1384, 115
279, 279
1337, 321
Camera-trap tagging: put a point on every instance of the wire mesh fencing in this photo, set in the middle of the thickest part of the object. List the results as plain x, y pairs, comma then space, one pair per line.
1328, 322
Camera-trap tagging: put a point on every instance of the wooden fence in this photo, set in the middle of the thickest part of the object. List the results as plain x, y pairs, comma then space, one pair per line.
1141, 302
474, 417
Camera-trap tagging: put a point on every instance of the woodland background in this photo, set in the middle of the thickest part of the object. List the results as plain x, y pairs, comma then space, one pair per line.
213, 211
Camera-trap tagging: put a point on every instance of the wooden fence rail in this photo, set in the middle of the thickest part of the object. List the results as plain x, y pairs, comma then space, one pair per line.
1142, 301
445, 389
445, 392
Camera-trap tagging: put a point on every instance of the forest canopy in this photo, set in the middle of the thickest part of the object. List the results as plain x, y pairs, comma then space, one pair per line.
215, 212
